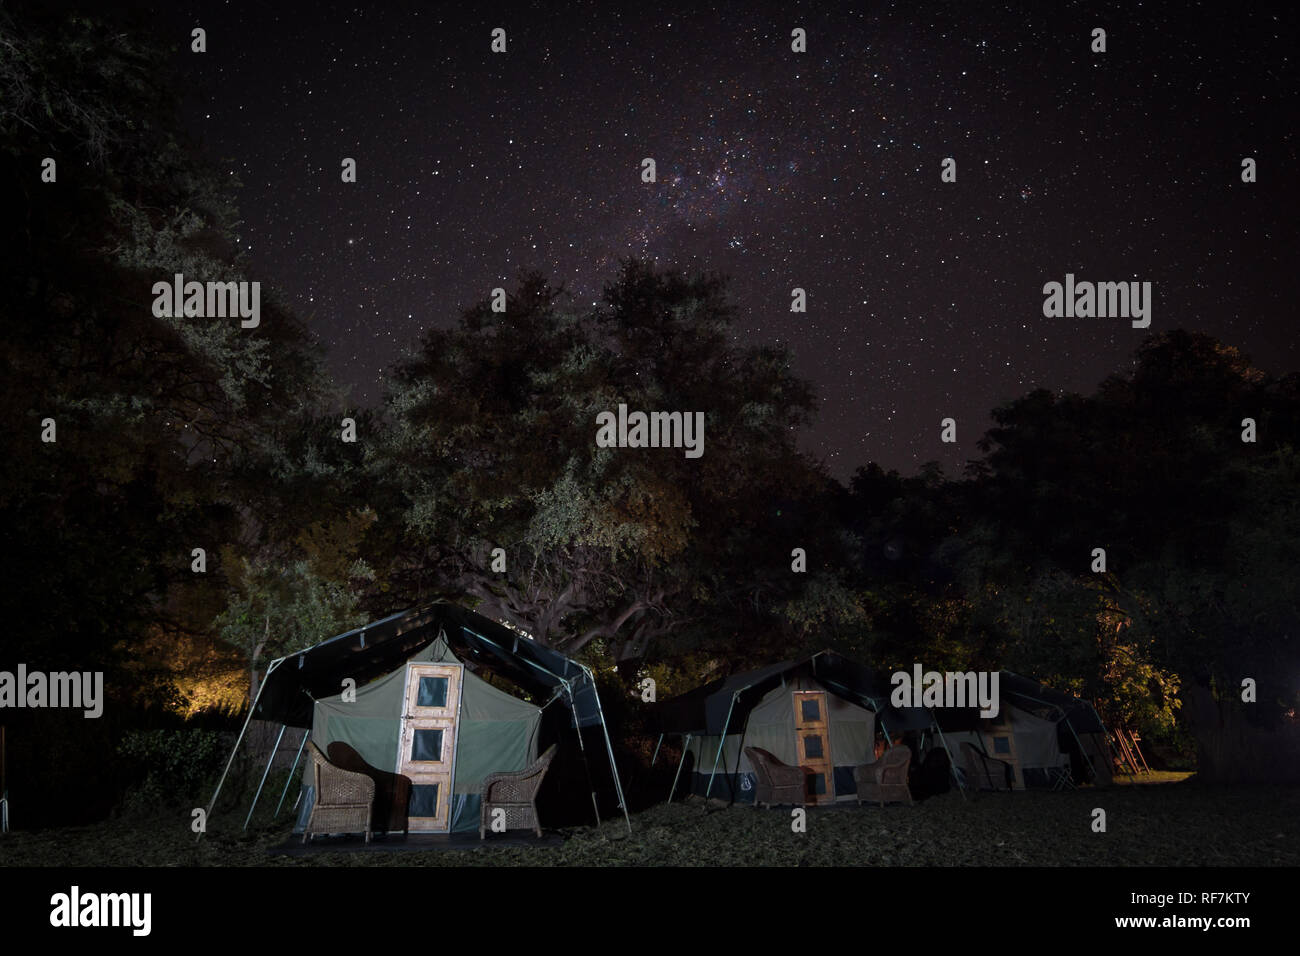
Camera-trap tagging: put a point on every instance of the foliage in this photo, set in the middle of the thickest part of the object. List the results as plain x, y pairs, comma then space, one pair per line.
492, 445
165, 426
277, 608
171, 767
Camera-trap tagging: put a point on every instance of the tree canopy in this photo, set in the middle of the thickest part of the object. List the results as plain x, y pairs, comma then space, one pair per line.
493, 445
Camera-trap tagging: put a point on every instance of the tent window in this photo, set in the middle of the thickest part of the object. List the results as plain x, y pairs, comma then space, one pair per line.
433, 692
426, 745
811, 709
812, 746
1001, 745
424, 800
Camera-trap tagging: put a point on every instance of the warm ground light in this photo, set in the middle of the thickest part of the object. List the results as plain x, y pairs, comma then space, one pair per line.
1152, 824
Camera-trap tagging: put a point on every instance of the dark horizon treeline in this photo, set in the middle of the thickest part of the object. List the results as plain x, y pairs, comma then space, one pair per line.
193, 433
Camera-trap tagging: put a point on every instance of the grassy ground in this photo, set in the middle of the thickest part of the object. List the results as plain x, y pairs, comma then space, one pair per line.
1155, 776
1171, 824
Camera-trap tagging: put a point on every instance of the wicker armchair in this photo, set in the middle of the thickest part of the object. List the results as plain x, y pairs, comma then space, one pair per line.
392, 790
343, 799
516, 793
886, 779
777, 782
984, 772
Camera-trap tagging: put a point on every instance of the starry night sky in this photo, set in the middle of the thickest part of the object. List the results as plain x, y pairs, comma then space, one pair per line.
819, 170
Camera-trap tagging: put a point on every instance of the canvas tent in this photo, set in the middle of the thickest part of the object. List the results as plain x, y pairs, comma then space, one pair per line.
404, 693
822, 712
1041, 732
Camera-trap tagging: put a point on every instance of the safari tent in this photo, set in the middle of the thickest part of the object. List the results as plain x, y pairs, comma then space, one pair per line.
411, 695
820, 712
824, 712
1047, 736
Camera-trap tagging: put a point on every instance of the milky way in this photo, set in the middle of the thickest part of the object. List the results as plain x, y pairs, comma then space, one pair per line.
818, 170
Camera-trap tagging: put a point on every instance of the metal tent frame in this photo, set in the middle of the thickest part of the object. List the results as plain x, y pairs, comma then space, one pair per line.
563, 685
567, 687
1065, 717
878, 710
4, 783
845, 693
207, 813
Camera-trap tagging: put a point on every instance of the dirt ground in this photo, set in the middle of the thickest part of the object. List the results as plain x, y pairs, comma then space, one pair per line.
1170, 824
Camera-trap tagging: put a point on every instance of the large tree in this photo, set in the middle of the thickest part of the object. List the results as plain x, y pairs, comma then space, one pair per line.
1199, 528
493, 444
164, 427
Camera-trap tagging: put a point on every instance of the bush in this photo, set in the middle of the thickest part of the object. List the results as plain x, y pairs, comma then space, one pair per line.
170, 767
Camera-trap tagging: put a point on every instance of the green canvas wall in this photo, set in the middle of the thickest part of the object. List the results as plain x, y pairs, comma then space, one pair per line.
495, 732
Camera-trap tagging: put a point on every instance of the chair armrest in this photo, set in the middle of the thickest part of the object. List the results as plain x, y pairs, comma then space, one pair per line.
507, 776
787, 776
515, 782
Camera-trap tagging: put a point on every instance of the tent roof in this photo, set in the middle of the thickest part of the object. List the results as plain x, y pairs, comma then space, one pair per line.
291, 688
1030, 695
704, 711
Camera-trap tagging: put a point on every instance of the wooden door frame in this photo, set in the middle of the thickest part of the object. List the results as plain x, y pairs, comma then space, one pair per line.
411, 668
829, 796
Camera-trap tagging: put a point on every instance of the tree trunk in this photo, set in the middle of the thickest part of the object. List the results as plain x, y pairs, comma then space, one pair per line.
1231, 749
253, 683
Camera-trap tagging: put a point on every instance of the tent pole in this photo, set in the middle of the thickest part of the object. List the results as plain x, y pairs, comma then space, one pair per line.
889, 741
1082, 749
531, 664
4, 784
582, 748
265, 773
722, 742
292, 770
1065, 716
880, 719
686, 745
239, 740
952, 764
657, 746
740, 752
609, 747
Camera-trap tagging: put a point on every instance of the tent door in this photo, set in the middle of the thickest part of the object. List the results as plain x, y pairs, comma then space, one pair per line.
427, 754
813, 744
1000, 742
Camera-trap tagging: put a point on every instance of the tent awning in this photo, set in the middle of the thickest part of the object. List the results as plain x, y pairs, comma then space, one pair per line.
704, 711
1031, 695
292, 686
